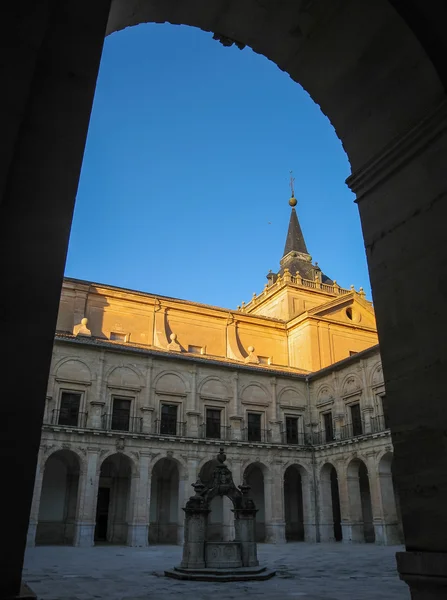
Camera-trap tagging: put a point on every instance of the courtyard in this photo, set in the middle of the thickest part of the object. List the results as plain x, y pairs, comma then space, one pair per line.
304, 571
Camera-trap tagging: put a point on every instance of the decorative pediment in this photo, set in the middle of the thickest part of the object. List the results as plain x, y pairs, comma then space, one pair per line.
351, 385
377, 376
255, 394
291, 398
325, 395
124, 377
348, 310
214, 388
73, 370
170, 383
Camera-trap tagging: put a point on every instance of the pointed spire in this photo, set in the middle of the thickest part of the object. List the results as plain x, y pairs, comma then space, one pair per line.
295, 239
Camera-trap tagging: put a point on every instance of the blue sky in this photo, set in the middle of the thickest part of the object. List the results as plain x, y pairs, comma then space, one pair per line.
185, 182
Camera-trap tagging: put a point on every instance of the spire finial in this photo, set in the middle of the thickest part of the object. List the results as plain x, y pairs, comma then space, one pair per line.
292, 200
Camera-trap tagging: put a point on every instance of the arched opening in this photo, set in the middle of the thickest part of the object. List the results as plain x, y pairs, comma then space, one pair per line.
330, 514
293, 504
58, 500
164, 503
254, 477
362, 527
220, 526
112, 508
392, 522
383, 109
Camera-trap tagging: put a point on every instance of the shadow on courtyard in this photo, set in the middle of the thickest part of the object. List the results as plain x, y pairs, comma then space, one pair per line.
304, 571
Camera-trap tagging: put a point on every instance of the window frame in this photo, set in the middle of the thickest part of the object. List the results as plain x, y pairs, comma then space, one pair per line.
297, 419
219, 410
351, 420
323, 425
131, 400
77, 392
261, 421
177, 406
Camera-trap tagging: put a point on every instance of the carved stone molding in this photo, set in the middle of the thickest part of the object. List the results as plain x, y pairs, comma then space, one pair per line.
398, 153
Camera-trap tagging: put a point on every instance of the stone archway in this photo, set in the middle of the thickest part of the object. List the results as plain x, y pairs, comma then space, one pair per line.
390, 119
58, 499
330, 514
164, 503
361, 515
113, 502
254, 477
293, 504
220, 526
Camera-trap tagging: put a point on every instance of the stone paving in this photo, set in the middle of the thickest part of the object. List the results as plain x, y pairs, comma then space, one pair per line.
304, 572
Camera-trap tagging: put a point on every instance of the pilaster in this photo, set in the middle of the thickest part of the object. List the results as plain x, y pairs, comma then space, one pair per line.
87, 497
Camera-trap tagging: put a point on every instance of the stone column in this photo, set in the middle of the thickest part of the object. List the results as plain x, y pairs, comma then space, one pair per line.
274, 420
389, 532
46, 113
352, 531
245, 529
138, 524
376, 499
235, 416
97, 403
269, 484
184, 492
275, 524
195, 536
367, 413
192, 413
228, 521
35, 505
326, 520
87, 498
147, 418
95, 414
310, 526
338, 422
401, 197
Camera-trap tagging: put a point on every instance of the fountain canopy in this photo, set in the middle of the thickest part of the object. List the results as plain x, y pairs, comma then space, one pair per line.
220, 560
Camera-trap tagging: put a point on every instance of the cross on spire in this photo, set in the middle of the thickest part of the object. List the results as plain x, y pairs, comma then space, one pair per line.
292, 179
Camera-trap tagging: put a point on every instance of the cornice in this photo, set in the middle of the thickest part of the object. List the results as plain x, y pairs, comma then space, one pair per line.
398, 153
203, 360
138, 296
300, 320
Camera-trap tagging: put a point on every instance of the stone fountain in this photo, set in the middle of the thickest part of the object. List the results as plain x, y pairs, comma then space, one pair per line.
220, 561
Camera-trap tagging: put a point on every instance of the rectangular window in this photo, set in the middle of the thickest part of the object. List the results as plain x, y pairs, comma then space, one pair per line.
121, 414
168, 423
118, 337
356, 419
264, 360
292, 430
69, 409
386, 422
253, 427
328, 426
213, 423
195, 349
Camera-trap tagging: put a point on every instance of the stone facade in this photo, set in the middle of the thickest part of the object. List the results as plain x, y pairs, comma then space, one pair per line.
132, 421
